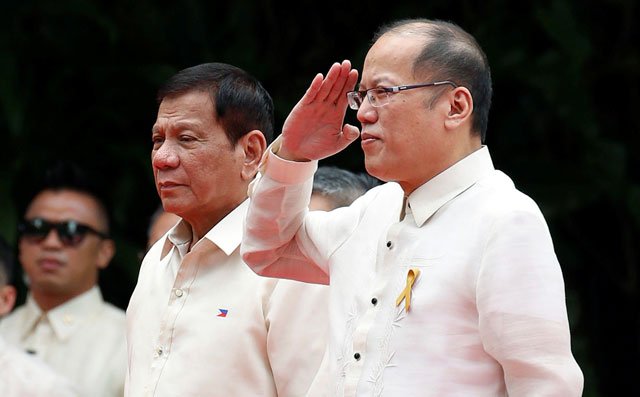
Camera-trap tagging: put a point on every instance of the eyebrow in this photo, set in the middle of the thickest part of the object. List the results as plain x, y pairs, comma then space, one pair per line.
178, 125
377, 83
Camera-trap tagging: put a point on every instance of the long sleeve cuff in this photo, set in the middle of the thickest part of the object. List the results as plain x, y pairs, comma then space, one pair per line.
285, 171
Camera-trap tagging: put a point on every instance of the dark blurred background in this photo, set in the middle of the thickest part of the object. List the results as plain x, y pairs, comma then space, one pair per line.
78, 80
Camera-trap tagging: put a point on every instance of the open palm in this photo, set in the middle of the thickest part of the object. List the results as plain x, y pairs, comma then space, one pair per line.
313, 130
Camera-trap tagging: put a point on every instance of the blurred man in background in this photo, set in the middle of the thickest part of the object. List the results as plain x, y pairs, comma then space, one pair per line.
63, 243
335, 187
23, 375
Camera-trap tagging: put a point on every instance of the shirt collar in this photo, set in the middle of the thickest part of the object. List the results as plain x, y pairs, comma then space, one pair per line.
432, 195
65, 318
178, 236
226, 234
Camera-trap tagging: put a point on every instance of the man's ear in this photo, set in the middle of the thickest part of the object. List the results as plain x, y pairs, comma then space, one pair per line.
7, 299
460, 108
253, 145
106, 252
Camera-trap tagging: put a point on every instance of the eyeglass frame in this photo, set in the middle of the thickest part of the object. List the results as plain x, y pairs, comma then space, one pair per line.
66, 230
352, 95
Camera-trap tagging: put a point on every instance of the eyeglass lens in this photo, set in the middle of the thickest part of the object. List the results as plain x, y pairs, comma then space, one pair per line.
70, 233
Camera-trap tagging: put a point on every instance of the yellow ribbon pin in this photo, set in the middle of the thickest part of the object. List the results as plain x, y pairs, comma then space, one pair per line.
412, 276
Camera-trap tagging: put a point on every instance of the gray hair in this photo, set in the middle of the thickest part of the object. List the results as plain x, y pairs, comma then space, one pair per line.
339, 186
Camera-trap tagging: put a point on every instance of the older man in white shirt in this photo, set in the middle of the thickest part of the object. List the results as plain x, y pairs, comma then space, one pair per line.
200, 322
444, 282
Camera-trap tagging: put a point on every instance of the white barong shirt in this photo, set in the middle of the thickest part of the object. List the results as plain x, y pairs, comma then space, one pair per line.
487, 314
201, 323
82, 339
22, 375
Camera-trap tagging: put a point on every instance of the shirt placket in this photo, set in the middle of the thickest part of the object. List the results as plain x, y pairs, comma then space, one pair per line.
177, 299
42, 336
375, 298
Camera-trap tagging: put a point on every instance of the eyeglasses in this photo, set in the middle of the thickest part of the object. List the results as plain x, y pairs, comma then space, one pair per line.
379, 96
70, 233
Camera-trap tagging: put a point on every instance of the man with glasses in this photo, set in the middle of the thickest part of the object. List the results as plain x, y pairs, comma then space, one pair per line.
443, 281
63, 243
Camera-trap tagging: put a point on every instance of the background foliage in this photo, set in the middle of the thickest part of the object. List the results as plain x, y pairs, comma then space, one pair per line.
78, 79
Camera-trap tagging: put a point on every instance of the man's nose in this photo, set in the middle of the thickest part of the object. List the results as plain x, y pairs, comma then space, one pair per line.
367, 114
165, 157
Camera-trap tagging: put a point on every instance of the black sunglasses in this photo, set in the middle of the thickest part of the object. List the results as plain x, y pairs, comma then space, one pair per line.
70, 233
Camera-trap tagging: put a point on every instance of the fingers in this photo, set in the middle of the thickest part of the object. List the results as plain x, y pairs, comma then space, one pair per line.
350, 133
314, 88
328, 84
349, 85
337, 79
333, 88
339, 86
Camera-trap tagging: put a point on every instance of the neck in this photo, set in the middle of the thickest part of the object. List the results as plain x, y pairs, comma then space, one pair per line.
201, 223
454, 154
47, 301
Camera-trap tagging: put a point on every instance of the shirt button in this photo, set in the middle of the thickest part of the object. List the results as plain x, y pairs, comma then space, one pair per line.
374, 301
179, 292
159, 351
357, 356
389, 244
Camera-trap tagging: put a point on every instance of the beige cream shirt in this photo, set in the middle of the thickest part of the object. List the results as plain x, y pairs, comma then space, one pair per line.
22, 375
83, 340
201, 323
487, 314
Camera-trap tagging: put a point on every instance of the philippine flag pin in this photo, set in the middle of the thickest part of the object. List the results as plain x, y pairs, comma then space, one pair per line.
223, 312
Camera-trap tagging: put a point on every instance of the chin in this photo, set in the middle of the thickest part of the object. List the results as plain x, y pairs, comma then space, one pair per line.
375, 170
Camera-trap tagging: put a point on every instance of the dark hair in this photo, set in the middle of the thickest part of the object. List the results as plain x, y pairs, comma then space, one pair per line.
450, 53
241, 103
340, 186
6, 263
70, 175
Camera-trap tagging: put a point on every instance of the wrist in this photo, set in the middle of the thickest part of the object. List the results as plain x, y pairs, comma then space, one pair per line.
284, 153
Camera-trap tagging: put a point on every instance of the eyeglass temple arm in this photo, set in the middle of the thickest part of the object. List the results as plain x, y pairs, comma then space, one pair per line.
408, 87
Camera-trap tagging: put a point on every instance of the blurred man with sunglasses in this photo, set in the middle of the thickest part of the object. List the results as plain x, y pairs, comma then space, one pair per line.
444, 281
63, 243
21, 374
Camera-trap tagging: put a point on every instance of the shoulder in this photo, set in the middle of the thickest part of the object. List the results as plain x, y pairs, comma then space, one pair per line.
380, 199
13, 319
501, 208
498, 195
110, 319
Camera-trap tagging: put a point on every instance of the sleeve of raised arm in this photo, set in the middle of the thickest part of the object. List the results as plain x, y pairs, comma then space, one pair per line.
522, 310
279, 201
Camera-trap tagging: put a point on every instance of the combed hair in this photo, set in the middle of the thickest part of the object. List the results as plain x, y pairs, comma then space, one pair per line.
450, 53
240, 102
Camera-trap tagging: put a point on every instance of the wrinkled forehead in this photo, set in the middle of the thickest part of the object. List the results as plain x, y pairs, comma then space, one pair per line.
391, 60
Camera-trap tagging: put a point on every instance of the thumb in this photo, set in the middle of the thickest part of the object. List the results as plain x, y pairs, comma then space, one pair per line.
350, 133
